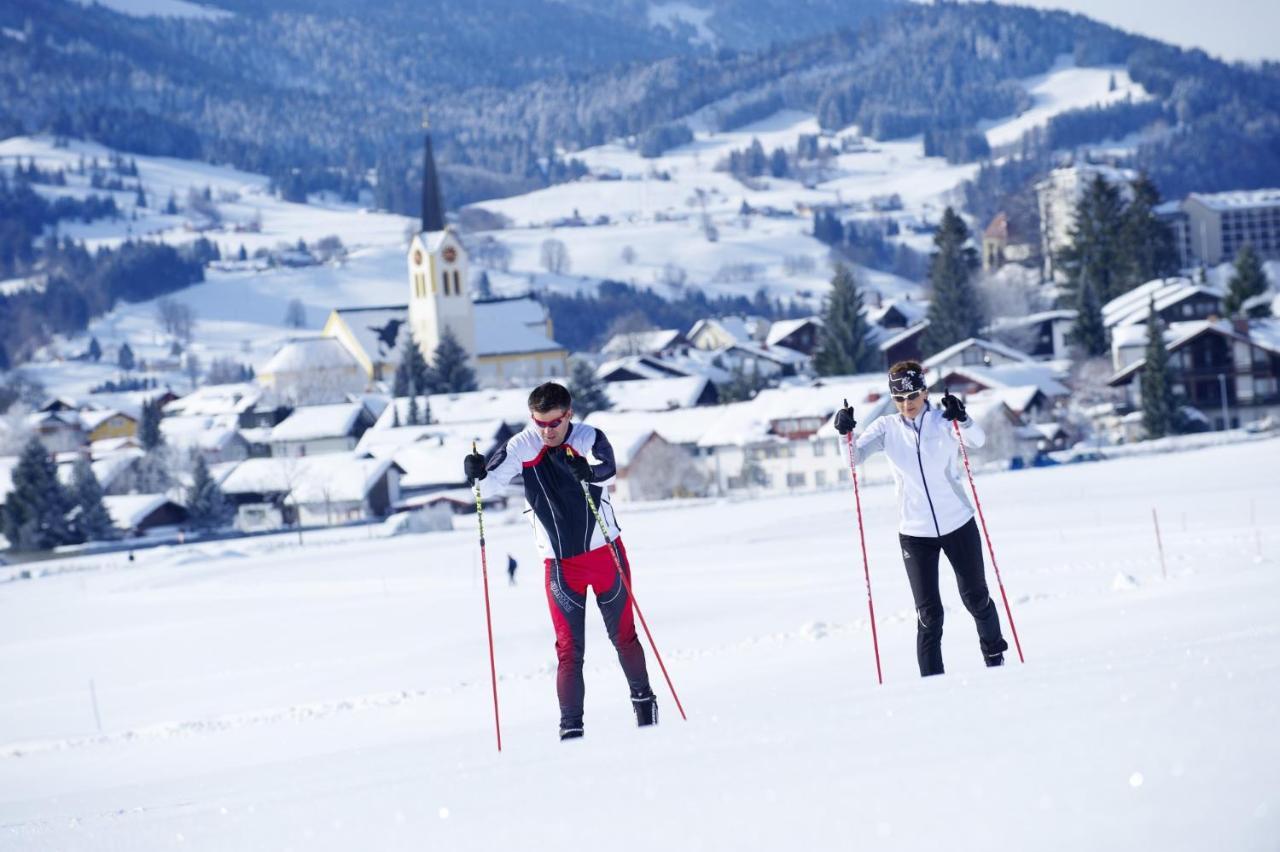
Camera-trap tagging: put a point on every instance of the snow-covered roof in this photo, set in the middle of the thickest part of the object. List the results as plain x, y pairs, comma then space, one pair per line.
333, 477
1176, 334
627, 436
642, 342
694, 362
678, 426
734, 327
312, 422
1017, 398
1061, 314
912, 310
379, 331
784, 328
93, 418
906, 334
105, 468
656, 394
127, 511
202, 432
310, 354
510, 405
512, 326
386, 442
1223, 201
988, 345
777, 354
1037, 374
216, 399
1133, 307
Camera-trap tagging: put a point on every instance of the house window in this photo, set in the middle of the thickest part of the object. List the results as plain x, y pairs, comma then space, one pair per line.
819, 478
819, 449
795, 480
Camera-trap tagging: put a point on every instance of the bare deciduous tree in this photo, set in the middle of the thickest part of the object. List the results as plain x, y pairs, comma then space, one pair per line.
176, 318
555, 256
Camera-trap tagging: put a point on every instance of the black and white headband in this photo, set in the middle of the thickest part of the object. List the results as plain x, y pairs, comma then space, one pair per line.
906, 381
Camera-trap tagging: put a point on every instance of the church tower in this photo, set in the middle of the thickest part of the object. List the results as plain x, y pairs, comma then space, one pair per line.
439, 294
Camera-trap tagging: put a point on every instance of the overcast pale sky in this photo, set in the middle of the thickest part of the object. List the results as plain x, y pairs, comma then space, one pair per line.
1228, 29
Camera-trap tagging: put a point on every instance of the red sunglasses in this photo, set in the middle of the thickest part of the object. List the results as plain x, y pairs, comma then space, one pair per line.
550, 424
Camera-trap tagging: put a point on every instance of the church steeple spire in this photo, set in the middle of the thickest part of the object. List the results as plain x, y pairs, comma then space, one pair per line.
432, 207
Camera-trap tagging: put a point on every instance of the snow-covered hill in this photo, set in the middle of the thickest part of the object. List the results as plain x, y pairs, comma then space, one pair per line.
654, 208
261, 695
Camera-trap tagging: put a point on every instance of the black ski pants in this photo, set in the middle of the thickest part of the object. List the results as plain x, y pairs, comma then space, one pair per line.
964, 551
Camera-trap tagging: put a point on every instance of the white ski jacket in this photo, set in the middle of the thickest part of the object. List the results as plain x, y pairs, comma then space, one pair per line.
925, 456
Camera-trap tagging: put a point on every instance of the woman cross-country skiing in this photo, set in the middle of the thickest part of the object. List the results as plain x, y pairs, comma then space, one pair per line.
934, 514
551, 453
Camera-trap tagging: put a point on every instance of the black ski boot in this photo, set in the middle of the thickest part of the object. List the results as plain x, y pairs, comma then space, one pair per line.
570, 729
646, 707
993, 653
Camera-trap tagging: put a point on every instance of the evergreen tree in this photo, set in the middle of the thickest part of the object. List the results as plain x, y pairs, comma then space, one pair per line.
207, 506
1089, 331
587, 390
149, 427
126, 359
92, 522
395, 415
1146, 242
955, 312
413, 407
451, 370
1158, 407
1096, 248
35, 511
844, 347
414, 366
95, 349
1247, 281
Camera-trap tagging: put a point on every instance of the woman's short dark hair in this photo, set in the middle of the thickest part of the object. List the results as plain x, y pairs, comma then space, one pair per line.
904, 366
549, 396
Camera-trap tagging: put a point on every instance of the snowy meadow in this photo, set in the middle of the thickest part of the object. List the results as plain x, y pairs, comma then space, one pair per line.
259, 694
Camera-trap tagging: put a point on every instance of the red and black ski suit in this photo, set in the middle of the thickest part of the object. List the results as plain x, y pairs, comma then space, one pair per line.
575, 553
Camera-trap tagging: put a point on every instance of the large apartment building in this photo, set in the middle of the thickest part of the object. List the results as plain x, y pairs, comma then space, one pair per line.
1219, 224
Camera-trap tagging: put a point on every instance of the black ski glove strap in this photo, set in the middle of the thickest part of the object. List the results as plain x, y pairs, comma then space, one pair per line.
473, 467
844, 421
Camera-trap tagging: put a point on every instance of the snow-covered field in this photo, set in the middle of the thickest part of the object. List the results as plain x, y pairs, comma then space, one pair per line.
261, 695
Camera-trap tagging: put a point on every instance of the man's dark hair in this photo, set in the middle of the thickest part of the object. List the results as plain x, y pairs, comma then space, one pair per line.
548, 397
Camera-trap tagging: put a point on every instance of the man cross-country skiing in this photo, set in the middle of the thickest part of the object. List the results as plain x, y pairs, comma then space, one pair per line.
551, 453
934, 513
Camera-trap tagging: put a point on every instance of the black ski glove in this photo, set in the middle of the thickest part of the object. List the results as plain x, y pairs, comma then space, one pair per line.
844, 420
473, 467
953, 409
581, 468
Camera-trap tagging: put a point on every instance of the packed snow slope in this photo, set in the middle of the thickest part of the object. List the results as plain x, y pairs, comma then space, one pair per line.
265, 695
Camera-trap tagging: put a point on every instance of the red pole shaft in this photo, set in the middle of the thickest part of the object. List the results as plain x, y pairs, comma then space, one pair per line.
622, 575
1007, 611
866, 568
1159, 546
488, 620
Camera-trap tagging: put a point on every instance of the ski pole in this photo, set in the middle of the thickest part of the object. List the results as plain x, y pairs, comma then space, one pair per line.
617, 560
965, 452
488, 620
866, 568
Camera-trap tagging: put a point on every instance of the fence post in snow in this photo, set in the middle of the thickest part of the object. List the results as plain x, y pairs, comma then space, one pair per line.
93, 697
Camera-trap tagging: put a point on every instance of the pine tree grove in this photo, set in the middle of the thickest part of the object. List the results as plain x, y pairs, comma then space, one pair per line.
955, 312
149, 427
844, 347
